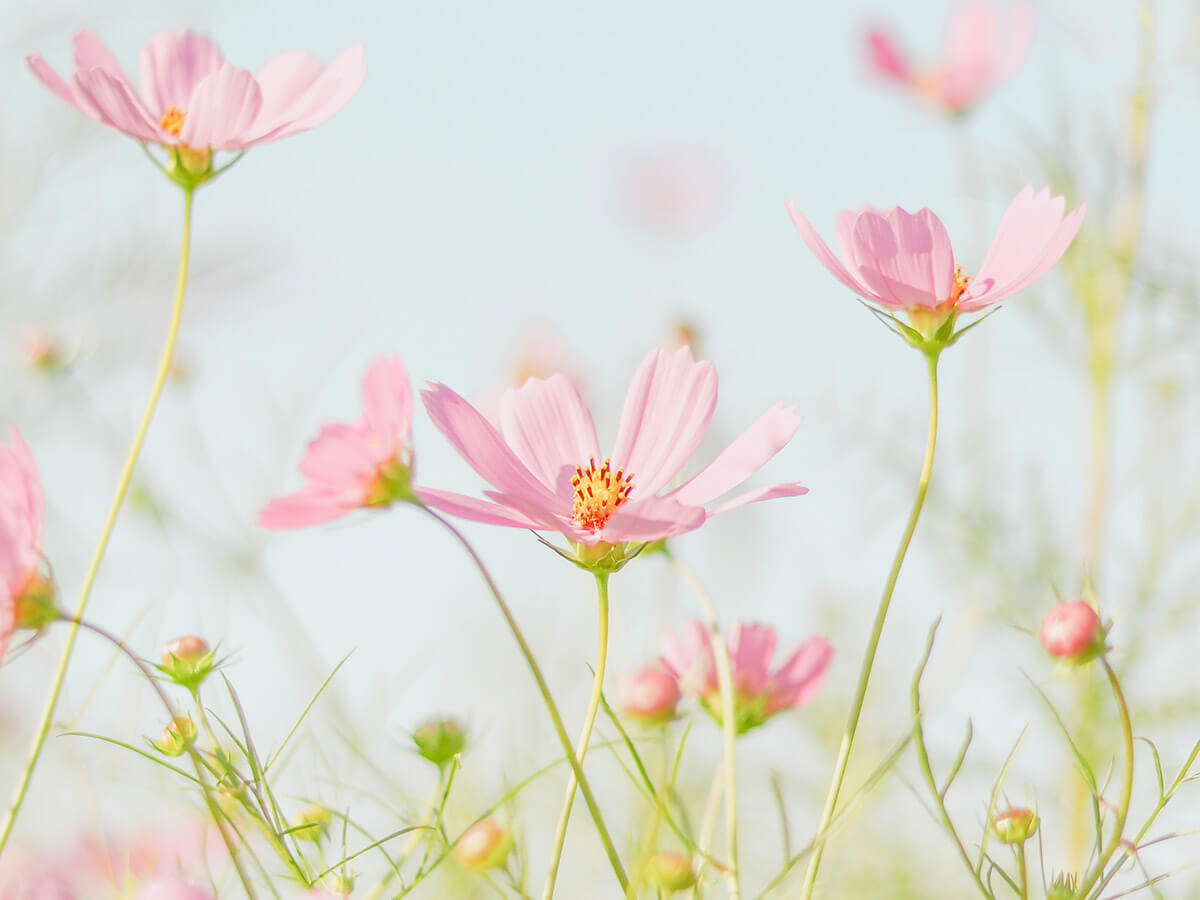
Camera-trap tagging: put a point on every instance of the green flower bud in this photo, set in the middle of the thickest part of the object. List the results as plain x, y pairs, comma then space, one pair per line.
485, 845
177, 735
1015, 825
1063, 887
311, 823
440, 740
187, 661
671, 872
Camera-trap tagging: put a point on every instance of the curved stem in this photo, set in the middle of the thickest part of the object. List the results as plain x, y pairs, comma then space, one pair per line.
585, 735
206, 789
547, 698
164, 366
720, 651
1126, 782
864, 675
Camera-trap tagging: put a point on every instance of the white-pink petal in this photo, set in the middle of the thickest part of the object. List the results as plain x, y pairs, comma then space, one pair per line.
548, 426
223, 107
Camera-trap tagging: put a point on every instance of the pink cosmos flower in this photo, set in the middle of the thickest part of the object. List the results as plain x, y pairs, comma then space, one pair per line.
355, 464
189, 96
760, 692
21, 512
985, 43
904, 261
549, 475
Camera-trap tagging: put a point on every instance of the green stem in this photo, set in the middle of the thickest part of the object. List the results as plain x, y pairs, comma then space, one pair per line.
1022, 872
864, 675
585, 735
728, 720
1126, 782
164, 367
547, 698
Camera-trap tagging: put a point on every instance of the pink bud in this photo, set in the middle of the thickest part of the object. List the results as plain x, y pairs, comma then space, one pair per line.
485, 845
650, 694
187, 649
1072, 630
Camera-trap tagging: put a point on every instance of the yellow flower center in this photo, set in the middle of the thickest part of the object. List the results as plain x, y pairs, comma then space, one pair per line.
960, 284
172, 120
599, 492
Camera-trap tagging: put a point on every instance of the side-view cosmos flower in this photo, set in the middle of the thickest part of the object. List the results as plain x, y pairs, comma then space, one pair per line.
759, 692
21, 516
548, 473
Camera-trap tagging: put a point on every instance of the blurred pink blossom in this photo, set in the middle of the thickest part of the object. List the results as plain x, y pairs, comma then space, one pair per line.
355, 464
543, 462
674, 191
170, 888
650, 694
904, 260
985, 43
190, 96
21, 513
760, 692
1072, 630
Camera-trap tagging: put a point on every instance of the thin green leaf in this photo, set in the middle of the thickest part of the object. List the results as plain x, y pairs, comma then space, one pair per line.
304, 714
991, 809
149, 756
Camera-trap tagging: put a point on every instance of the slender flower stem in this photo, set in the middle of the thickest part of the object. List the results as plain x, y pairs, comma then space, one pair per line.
585, 735
206, 789
708, 823
547, 698
1022, 871
864, 675
728, 720
1126, 782
164, 366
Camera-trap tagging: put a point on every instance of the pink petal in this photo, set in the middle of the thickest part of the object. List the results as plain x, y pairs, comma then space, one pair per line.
904, 256
387, 405
307, 506
689, 657
21, 514
801, 675
8, 617
884, 55
474, 509
222, 108
112, 102
826, 258
172, 64
750, 650
650, 519
92, 53
339, 457
51, 79
299, 93
548, 426
667, 410
481, 446
1021, 28
768, 435
769, 492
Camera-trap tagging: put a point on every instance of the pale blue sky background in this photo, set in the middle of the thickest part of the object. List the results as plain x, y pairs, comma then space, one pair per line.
463, 197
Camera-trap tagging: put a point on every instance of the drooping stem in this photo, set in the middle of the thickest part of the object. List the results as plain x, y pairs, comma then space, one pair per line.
720, 652
547, 698
164, 367
864, 675
1126, 783
585, 735
206, 789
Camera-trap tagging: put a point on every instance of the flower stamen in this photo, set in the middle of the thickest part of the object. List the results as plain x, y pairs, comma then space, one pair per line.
960, 284
599, 492
172, 121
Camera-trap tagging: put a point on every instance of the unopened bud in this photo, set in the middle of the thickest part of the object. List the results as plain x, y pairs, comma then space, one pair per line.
311, 823
177, 735
34, 606
485, 845
671, 872
1015, 825
187, 660
1063, 887
340, 885
650, 695
1072, 631
440, 740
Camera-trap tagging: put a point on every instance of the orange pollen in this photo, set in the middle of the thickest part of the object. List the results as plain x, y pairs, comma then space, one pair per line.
960, 284
599, 492
172, 120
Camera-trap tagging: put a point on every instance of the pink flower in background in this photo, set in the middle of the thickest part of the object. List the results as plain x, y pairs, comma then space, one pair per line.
170, 888
1072, 630
350, 465
188, 95
904, 261
549, 475
650, 694
674, 191
761, 693
21, 513
985, 43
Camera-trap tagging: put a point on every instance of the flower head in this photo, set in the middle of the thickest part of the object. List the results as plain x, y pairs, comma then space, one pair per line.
985, 43
759, 692
21, 514
1072, 631
355, 464
440, 740
650, 694
904, 261
1015, 825
671, 872
191, 100
548, 473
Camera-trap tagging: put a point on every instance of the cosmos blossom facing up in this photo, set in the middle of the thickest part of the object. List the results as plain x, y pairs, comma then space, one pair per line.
548, 474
